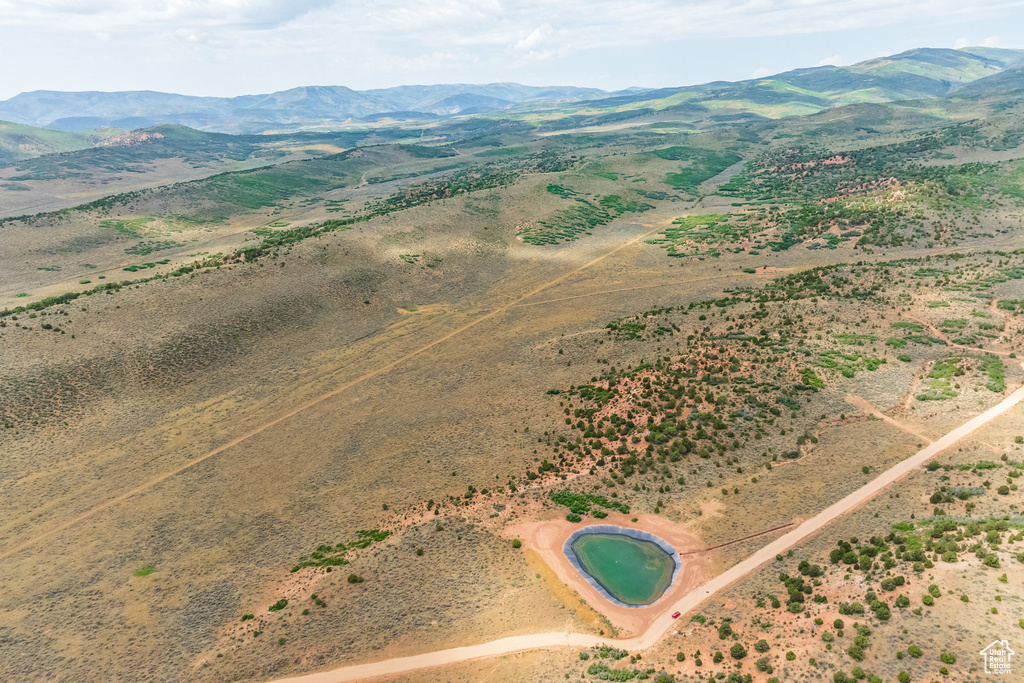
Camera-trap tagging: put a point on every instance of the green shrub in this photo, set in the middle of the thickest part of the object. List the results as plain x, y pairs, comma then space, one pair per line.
352, 578
279, 605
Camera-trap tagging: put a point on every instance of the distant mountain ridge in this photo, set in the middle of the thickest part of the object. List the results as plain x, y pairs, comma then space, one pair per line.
914, 74
917, 73
296, 107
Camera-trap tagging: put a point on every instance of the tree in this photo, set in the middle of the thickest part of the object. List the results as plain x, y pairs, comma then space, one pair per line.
724, 629
517, 544
903, 677
761, 646
738, 651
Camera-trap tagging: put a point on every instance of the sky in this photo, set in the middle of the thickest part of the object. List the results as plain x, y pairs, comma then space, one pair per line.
234, 47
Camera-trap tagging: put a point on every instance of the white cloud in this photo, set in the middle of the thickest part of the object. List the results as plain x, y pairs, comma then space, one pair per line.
761, 73
961, 43
350, 41
991, 41
535, 38
585, 22
830, 61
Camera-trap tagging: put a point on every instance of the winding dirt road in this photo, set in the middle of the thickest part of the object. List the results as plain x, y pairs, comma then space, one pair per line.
661, 626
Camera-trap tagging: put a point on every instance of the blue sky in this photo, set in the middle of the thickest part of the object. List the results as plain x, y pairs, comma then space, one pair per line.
231, 47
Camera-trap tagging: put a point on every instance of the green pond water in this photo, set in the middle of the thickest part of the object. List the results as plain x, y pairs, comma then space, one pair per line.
635, 572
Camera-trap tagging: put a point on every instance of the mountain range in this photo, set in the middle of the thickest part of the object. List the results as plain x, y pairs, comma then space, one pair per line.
914, 74
288, 109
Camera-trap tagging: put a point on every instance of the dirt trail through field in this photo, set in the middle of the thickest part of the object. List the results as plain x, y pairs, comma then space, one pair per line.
664, 623
859, 402
309, 404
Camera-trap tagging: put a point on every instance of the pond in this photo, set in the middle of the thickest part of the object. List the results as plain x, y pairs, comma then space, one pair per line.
631, 568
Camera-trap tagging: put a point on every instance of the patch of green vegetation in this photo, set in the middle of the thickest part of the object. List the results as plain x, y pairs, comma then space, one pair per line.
145, 248
939, 385
144, 266
992, 366
809, 378
330, 555
580, 503
132, 227
502, 152
582, 218
145, 571
421, 152
848, 364
703, 165
561, 191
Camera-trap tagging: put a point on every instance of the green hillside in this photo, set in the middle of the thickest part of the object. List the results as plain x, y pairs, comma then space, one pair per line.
18, 141
911, 75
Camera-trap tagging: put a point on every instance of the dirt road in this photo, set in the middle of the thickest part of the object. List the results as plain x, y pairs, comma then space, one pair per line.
688, 602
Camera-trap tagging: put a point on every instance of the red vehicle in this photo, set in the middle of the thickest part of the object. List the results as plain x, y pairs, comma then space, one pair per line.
675, 615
